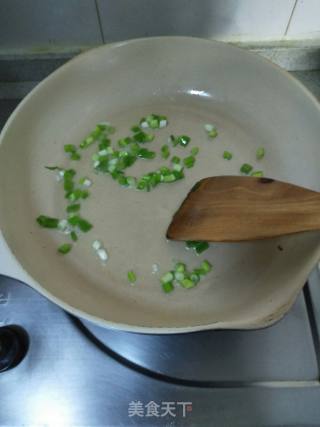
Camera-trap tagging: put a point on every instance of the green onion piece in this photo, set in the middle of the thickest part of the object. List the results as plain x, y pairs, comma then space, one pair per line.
168, 178
131, 181
167, 287
180, 267
134, 148
75, 156
189, 161
194, 151
206, 266
74, 236
47, 221
165, 151
175, 159
132, 276
73, 208
106, 127
164, 170
198, 246
213, 133
84, 194
87, 142
187, 283
258, 174
179, 276
79, 222
135, 128
122, 180
70, 148
227, 155
177, 167
143, 137
104, 143
182, 140
65, 248
260, 153
167, 277
125, 141
53, 168
146, 154
246, 168
194, 277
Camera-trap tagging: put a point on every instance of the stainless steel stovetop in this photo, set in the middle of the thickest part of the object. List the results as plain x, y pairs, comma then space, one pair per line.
73, 373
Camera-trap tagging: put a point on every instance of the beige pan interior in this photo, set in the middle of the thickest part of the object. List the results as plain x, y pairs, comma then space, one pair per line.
193, 82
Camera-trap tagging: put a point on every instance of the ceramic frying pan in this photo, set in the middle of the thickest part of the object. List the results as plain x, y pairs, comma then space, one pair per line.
192, 81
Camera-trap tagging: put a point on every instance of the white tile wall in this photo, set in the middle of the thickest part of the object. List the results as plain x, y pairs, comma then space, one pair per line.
305, 22
42, 23
219, 19
45, 24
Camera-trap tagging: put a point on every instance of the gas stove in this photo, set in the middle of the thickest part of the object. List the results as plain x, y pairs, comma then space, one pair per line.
58, 370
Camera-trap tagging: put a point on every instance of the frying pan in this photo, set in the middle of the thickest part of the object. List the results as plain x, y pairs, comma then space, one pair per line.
253, 103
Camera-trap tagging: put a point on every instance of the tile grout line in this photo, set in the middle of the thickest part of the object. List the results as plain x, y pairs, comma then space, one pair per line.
290, 18
99, 20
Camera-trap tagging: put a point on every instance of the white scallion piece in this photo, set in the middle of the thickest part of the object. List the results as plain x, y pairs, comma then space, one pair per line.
102, 254
96, 164
163, 124
96, 245
144, 125
103, 152
208, 127
87, 183
155, 268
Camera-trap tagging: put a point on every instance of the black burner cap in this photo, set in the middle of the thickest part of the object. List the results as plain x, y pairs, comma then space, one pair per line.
14, 344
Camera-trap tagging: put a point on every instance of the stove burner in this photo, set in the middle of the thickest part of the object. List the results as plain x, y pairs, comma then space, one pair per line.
211, 358
14, 345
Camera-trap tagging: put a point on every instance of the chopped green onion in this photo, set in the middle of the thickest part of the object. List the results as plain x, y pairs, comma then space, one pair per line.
87, 142
175, 159
189, 161
198, 246
73, 208
132, 276
122, 180
47, 221
86, 182
180, 267
246, 168
75, 156
194, 151
135, 128
260, 153
227, 155
125, 141
70, 148
65, 248
211, 130
167, 277
53, 168
79, 222
167, 287
74, 236
143, 137
104, 143
144, 153
165, 152
187, 283
206, 266
182, 140
258, 174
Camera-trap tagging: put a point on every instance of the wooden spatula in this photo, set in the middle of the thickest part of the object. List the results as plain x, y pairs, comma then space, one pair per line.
236, 208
